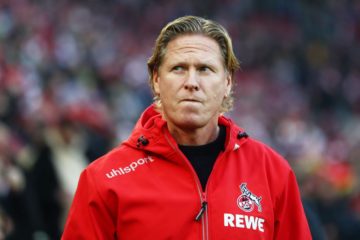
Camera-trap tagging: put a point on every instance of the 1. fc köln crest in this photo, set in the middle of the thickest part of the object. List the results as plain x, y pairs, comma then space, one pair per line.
247, 200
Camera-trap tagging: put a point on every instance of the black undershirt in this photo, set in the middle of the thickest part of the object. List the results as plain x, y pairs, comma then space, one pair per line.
203, 157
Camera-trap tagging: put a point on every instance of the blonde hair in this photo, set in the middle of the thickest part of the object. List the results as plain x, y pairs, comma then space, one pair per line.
194, 25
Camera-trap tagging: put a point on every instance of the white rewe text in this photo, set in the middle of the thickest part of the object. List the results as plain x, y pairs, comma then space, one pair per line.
244, 221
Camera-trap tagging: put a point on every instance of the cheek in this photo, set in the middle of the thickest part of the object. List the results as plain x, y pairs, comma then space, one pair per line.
170, 86
164, 88
167, 92
219, 92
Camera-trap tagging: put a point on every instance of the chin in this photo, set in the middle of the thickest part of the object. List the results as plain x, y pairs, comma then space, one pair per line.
190, 123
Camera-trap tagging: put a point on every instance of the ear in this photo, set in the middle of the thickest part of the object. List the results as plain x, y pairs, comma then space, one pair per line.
155, 80
228, 84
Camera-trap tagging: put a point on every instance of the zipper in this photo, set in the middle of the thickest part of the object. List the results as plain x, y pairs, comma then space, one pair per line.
204, 207
202, 214
202, 210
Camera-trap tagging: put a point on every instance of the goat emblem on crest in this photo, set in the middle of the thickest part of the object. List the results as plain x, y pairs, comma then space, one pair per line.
247, 200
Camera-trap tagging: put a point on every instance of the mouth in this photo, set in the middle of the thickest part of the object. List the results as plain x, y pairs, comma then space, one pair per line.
189, 100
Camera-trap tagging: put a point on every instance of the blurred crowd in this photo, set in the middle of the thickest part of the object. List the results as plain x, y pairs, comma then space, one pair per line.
73, 81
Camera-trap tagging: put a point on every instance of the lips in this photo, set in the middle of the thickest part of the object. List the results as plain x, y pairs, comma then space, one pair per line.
190, 100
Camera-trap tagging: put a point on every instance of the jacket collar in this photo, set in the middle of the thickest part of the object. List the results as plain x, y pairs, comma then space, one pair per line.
151, 134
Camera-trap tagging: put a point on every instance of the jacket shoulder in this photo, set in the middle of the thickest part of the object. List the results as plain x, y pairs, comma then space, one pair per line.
268, 163
115, 157
266, 153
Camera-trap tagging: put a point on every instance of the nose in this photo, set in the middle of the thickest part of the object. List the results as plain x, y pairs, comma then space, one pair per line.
192, 81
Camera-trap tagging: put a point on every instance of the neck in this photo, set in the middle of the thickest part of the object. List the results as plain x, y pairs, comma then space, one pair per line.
194, 137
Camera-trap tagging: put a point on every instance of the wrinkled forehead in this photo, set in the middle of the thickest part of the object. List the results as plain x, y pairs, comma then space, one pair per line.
195, 44
189, 43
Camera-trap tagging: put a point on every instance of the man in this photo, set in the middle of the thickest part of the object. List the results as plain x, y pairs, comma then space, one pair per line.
186, 171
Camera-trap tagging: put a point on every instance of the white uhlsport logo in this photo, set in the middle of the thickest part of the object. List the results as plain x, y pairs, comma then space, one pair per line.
247, 200
130, 168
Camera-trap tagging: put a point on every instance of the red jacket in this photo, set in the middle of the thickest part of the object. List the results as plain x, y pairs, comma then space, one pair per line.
147, 189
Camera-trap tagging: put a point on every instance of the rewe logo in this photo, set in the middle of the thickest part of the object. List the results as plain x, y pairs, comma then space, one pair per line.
244, 221
130, 168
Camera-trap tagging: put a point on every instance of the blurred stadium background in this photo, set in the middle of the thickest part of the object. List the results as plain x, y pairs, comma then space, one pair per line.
73, 80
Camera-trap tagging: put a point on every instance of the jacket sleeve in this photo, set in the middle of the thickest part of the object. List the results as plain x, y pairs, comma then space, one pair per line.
290, 219
88, 217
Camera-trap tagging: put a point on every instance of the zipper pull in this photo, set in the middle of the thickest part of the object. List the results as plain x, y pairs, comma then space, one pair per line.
202, 210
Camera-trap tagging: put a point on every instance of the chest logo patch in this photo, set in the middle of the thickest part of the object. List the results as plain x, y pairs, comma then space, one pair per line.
247, 200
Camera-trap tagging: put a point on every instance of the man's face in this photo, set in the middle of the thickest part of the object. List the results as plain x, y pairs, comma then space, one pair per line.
192, 82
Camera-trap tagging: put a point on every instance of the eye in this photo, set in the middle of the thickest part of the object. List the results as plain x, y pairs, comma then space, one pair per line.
177, 68
205, 69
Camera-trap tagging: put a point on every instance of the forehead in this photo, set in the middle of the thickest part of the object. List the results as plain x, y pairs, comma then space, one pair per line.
194, 44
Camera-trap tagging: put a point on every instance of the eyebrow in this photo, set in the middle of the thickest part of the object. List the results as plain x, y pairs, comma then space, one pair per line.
197, 64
